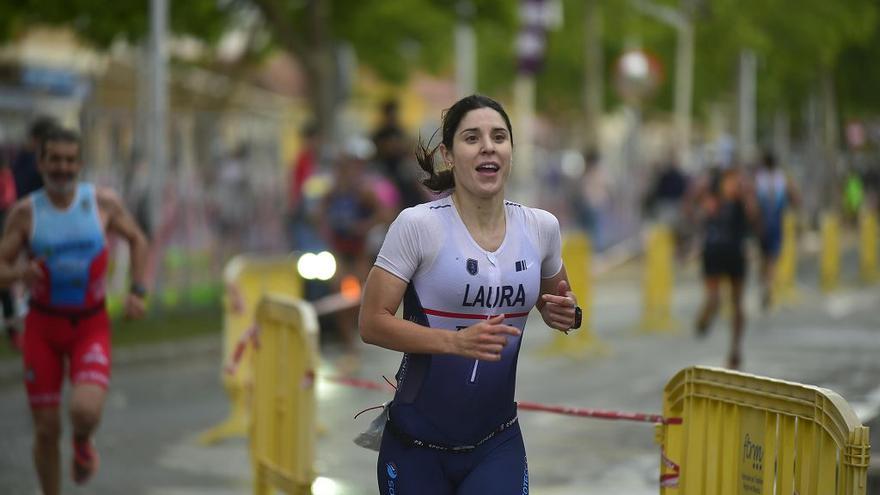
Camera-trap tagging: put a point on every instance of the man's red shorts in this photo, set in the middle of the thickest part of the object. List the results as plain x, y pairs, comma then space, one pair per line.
50, 341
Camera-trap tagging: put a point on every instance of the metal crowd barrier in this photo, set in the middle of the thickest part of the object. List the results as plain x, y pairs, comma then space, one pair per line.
283, 430
744, 434
247, 278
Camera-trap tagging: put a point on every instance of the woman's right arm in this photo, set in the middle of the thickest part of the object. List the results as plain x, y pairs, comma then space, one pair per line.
379, 326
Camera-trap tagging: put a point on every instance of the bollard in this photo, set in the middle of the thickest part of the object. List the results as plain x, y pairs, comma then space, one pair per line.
830, 261
577, 255
247, 278
868, 245
785, 278
658, 281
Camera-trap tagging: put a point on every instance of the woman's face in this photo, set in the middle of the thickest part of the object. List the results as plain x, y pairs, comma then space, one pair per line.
480, 154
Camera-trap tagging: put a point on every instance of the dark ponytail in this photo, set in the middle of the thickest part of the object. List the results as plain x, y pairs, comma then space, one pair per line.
436, 181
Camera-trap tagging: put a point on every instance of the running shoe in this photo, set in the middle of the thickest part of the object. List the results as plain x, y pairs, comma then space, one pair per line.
85, 461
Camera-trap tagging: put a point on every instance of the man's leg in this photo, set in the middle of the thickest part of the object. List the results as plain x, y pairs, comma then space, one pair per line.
734, 358
43, 375
711, 289
90, 376
768, 268
86, 405
47, 454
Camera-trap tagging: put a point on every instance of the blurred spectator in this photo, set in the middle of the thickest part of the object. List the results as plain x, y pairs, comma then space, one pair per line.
304, 166
349, 211
591, 197
664, 199
667, 190
232, 201
7, 199
24, 167
392, 154
853, 196
137, 195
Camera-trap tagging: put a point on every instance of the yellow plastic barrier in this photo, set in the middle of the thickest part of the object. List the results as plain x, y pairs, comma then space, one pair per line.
247, 279
830, 262
577, 255
658, 280
742, 434
785, 279
868, 245
286, 359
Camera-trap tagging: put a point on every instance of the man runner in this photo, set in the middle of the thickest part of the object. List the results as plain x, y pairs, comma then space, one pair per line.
63, 230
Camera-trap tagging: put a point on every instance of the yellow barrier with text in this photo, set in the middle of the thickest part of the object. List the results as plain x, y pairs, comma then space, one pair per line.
658, 280
829, 266
247, 278
741, 434
785, 278
286, 359
868, 245
576, 255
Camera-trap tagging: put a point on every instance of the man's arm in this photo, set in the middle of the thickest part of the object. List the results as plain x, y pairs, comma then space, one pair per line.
794, 195
121, 222
751, 204
15, 238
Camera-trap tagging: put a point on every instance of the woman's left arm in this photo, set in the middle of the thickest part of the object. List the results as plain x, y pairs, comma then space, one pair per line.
557, 302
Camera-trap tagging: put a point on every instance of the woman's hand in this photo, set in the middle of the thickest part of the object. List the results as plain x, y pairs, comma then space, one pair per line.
558, 309
484, 340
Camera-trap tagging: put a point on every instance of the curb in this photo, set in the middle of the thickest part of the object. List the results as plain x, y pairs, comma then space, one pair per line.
201, 346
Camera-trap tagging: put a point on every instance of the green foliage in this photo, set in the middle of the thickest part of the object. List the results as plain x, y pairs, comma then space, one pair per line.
393, 38
102, 22
794, 42
794, 45
858, 78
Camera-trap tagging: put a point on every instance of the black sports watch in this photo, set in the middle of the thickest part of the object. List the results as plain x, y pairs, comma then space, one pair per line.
578, 317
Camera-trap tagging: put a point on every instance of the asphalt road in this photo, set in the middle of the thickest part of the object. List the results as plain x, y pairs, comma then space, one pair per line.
157, 407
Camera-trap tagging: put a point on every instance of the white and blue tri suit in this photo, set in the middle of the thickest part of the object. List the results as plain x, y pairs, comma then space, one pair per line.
452, 426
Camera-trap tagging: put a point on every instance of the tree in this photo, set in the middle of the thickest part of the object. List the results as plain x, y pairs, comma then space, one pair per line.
102, 23
795, 46
394, 39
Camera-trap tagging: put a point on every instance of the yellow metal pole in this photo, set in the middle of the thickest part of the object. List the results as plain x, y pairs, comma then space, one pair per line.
868, 245
657, 281
830, 262
785, 279
577, 256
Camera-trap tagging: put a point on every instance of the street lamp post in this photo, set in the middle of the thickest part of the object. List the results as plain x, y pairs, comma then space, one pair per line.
465, 50
746, 117
158, 108
536, 16
681, 20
